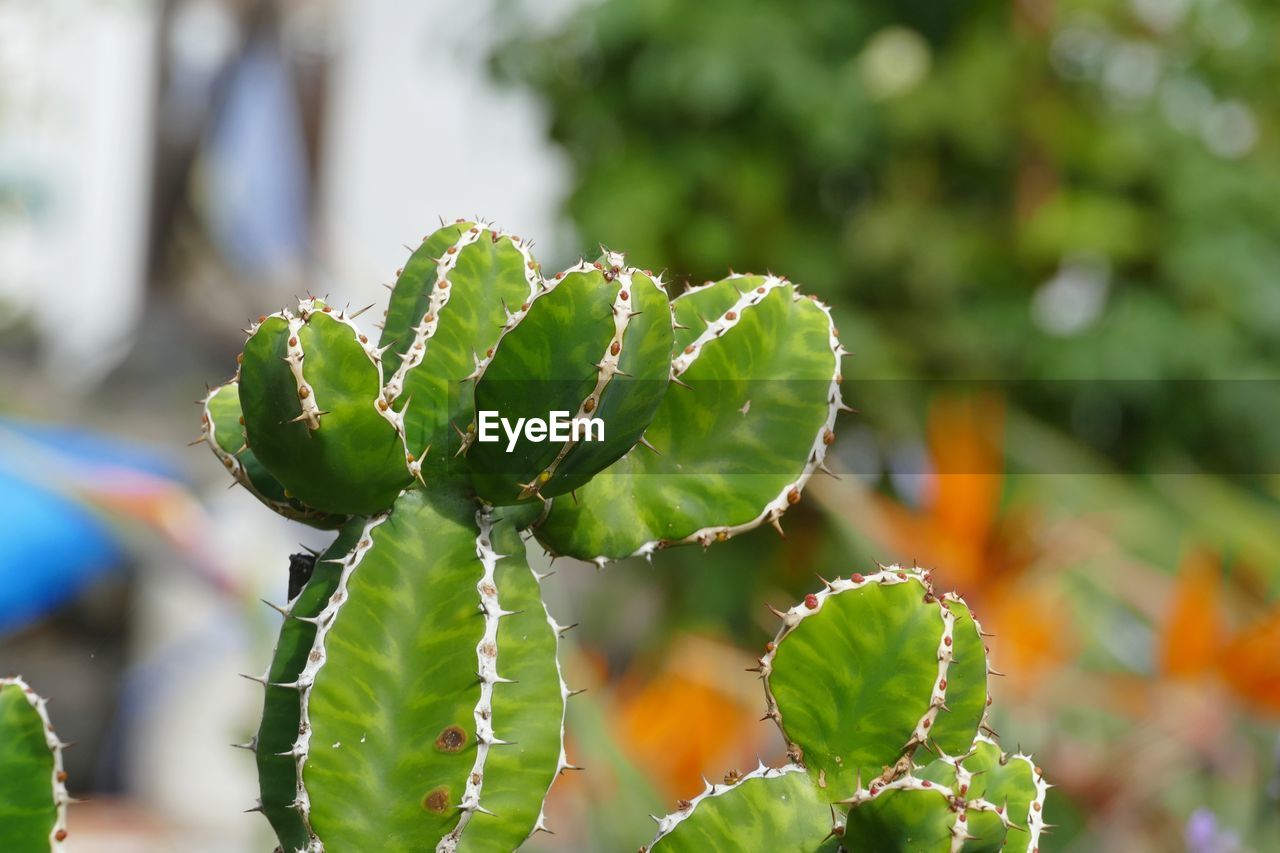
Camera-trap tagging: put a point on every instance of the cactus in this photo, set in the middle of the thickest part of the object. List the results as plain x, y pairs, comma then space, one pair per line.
391, 715
394, 718
33, 790
860, 676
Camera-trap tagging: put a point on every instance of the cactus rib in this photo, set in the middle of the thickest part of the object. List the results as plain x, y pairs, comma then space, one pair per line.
607, 366
487, 651
439, 298
33, 806
562, 758
315, 661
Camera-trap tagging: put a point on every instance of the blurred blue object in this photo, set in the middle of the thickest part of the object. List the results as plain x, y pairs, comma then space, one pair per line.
256, 166
53, 542
50, 549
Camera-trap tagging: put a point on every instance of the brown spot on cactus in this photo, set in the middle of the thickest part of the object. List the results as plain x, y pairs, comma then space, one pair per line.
793, 496
770, 646
946, 641
856, 578
598, 265
382, 404
444, 284
262, 319
683, 805
811, 601
293, 342
61, 835
364, 339
624, 296
559, 276
62, 775
304, 392
731, 316
327, 309
926, 784
688, 350
451, 739
524, 306
589, 405
733, 777
437, 800
615, 348
452, 249
759, 290
942, 684
828, 436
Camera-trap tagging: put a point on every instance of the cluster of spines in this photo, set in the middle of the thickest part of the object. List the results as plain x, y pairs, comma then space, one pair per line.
58, 777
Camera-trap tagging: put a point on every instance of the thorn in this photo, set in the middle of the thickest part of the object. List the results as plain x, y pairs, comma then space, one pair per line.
276, 607
644, 442
197, 441
676, 380
361, 311
777, 526
775, 611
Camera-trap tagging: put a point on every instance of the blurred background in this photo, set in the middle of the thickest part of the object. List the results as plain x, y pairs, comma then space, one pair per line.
1050, 232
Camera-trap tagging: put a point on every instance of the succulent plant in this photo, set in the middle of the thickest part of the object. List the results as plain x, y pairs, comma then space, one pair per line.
393, 718
33, 790
860, 677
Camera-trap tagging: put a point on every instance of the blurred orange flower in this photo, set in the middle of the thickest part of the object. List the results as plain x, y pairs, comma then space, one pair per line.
699, 714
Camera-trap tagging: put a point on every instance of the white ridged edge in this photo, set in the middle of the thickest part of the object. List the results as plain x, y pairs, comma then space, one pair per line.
487, 670
887, 576
790, 493
1034, 823
544, 287
230, 461
58, 787
608, 365
668, 823
562, 762
956, 800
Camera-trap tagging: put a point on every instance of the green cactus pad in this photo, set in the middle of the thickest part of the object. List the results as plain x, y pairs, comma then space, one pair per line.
774, 809
33, 791
953, 731
930, 810
223, 429
281, 715
1014, 783
731, 451
310, 387
896, 641
594, 343
458, 291
401, 691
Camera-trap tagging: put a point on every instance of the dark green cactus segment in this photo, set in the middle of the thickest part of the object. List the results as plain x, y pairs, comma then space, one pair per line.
281, 713
1016, 785
310, 388
895, 640
223, 430
923, 813
735, 448
479, 285
412, 292
33, 792
633, 377
953, 731
388, 736
775, 809
564, 355
528, 712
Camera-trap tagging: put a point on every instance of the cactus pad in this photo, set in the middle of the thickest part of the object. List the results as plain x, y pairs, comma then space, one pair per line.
775, 809
33, 791
311, 391
594, 343
732, 446
898, 641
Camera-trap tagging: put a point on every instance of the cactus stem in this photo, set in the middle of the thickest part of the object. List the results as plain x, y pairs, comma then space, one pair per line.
685, 808
58, 776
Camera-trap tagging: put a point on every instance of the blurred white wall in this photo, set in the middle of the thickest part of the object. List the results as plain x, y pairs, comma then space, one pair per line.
417, 131
76, 85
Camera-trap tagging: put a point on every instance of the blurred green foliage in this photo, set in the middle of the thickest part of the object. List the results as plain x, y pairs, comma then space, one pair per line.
1030, 191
